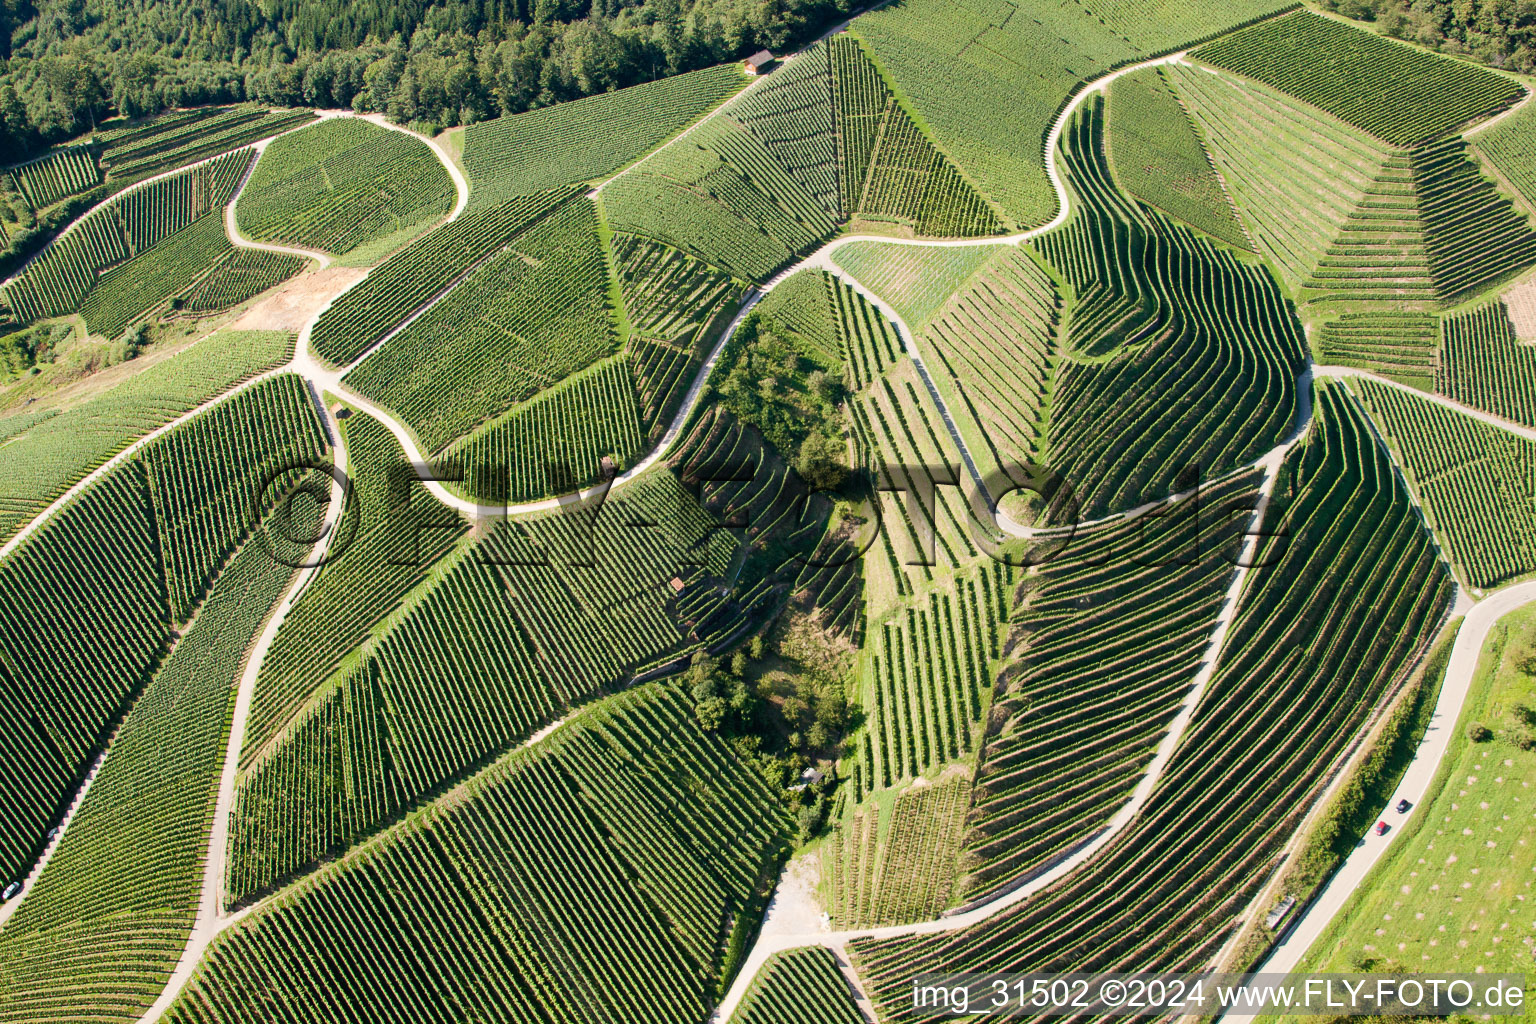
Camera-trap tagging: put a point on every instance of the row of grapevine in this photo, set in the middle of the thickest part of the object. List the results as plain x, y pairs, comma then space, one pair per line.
530, 316
1350, 598
183, 136
1477, 483
1398, 93
587, 139
365, 313
1397, 345
58, 175
926, 676
242, 275
147, 281
721, 196
556, 442
59, 278
1295, 173
800, 986
573, 862
1172, 312
43, 457
1482, 365
995, 343
216, 475
83, 621
391, 534
106, 921
494, 643
911, 875
340, 183
1106, 641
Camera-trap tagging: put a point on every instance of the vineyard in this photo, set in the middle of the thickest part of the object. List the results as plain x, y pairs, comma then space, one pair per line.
129, 290
364, 314
802, 986
1348, 218
606, 885
241, 275
1403, 96
216, 475
525, 319
60, 277
1401, 346
563, 608
340, 183
56, 176
134, 851
1295, 172
555, 442
1103, 648
916, 281
1013, 600
1157, 156
1477, 483
1483, 366
1301, 668
44, 457
995, 341
184, 136
1153, 319
676, 306
1507, 146
772, 175
989, 81
52, 588
587, 139
924, 680
390, 538
910, 876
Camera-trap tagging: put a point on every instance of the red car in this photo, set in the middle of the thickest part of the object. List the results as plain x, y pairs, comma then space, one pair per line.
1381, 828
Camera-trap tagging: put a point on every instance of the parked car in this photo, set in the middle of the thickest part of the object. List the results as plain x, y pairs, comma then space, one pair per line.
1381, 828
53, 833
1402, 806
10, 890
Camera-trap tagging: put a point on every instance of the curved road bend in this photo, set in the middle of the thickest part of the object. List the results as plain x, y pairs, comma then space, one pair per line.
1415, 784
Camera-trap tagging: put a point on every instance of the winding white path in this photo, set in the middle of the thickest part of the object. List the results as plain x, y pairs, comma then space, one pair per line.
212, 917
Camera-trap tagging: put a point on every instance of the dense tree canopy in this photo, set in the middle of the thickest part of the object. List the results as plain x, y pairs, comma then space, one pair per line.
69, 63
1497, 32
